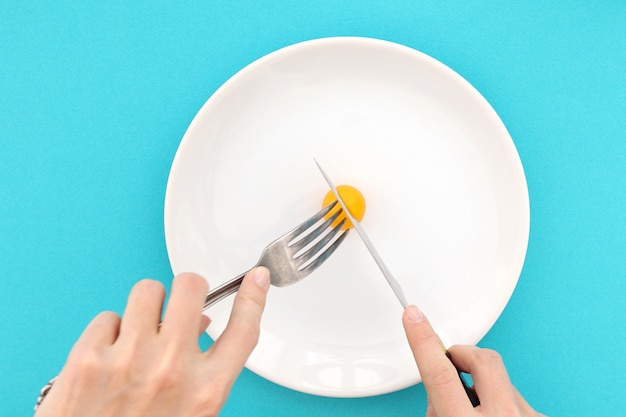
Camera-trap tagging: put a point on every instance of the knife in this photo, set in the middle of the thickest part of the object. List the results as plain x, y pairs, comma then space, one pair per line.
471, 394
368, 243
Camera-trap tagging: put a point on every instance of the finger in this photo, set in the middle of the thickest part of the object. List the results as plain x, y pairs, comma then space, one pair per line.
491, 380
204, 323
241, 335
101, 332
183, 315
440, 378
84, 362
430, 410
143, 309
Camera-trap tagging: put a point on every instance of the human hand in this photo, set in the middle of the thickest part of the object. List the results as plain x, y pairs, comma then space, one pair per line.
446, 395
131, 367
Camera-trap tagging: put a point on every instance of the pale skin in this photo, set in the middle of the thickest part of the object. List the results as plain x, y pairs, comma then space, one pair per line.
446, 396
130, 366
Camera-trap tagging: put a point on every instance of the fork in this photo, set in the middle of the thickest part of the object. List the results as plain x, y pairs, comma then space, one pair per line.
289, 258
292, 256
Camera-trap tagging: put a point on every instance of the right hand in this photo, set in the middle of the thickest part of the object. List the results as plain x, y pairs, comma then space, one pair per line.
446, 396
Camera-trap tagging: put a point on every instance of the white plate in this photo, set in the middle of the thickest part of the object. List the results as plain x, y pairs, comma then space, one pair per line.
447, 206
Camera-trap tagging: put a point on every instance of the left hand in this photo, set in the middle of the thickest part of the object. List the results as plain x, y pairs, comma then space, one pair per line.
131, 367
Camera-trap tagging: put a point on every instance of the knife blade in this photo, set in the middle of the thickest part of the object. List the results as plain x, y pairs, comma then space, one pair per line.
366, 240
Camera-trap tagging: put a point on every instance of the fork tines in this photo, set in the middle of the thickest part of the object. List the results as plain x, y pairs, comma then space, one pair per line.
315, 240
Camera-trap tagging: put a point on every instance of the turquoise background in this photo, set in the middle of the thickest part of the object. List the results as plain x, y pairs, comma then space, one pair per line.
95, 98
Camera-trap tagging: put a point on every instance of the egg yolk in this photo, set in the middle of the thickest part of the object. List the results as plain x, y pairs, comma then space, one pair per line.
353, 200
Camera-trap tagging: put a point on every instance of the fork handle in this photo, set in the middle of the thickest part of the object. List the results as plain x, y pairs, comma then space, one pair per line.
223, 291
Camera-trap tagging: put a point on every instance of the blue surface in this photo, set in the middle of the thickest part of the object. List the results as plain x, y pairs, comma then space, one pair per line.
95, 97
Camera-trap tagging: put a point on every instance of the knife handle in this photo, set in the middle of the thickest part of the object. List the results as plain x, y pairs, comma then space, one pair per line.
471, 393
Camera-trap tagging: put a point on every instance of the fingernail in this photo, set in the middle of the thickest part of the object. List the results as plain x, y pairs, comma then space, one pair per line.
414, 314
261, 276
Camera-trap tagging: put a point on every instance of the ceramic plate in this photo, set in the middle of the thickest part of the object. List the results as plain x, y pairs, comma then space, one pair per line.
447, 206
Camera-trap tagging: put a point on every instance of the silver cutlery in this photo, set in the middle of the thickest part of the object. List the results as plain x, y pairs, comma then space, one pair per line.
294, 255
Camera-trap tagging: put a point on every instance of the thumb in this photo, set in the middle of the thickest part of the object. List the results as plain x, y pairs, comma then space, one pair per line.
242, 332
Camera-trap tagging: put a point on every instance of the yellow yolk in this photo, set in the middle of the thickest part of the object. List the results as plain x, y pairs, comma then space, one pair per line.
353, 200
